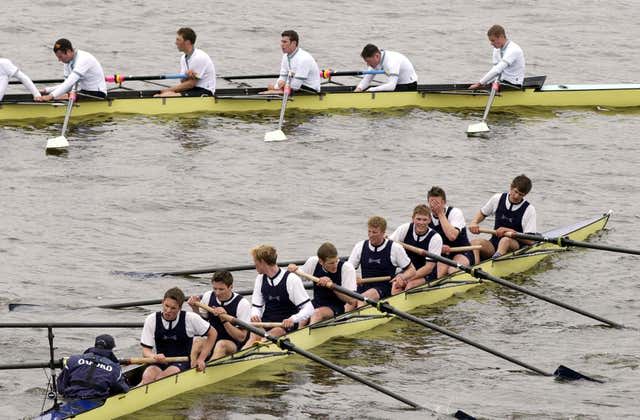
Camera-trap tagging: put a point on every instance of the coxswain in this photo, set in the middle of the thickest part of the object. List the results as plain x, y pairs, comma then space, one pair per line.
94, 374
223, 300
401, 76
298, 63
417, 233
512, 214
450, 224
171, 332
378, 256
7, 71
278, 295
80, 68
329, 269
508, 61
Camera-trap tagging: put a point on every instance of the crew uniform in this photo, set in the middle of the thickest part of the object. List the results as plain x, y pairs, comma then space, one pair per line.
379, 261
237, 306
520, 217
86, 71
508, 63
200, 63
431, 241
456, 218
173, 338
9, 70
281, 297
306, 73
95, 374
401, 75
344, 276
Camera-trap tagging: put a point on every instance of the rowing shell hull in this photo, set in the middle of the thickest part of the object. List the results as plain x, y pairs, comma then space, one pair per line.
348, 324
555, 96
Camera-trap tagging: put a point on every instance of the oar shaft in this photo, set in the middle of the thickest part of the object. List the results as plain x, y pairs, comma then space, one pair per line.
494, 88
32, 365
119, 78
368, 280
561, 241
267, 324
151, 360
464, 248
230, 268
323, 73
67, 115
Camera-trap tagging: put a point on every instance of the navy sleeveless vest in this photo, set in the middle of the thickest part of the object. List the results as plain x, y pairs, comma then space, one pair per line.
418, 260
461, 240
173, 342
277, 305
507, 218
323, 296
231, 307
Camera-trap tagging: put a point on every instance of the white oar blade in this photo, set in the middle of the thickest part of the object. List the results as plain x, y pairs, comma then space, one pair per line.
276, 135
477, 129
59, 142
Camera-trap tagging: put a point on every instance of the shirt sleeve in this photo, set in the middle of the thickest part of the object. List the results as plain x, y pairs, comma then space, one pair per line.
399, 256
26, 81
400, 233
299, 297
349, 276
529, 220
366, 80
356, 253
195, 325
491, 206
206, 297
148, 339
389, 86
65, 86
494, 72
257, 300
435, 245
456, 218
301, 74
244, 310
310, 265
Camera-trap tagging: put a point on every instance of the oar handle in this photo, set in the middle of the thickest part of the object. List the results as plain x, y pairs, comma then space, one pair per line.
412, 248
119, 78
328, 73
487, 230
368, 280
223, 317
267, 324
464, 248
151, 360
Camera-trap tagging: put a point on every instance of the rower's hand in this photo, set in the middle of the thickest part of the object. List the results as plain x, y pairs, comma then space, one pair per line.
292, 268
217, 311
191, 74
399, 281
358, 280
446, 249
256, 318
193, 300
288, 323
325, 282
160, 358
357, 89
475, 86
436, 208
474, 228
43, 98
501, 231
271, 92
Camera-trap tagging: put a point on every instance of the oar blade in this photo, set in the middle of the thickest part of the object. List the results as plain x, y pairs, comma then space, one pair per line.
461, 415
276, 135
568, 374
477, 129
57, 143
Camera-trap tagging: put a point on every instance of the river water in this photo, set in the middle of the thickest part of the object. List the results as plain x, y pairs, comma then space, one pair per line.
148, 194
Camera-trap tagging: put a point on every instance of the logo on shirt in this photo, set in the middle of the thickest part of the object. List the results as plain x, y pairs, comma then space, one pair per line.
375, 260
272, 298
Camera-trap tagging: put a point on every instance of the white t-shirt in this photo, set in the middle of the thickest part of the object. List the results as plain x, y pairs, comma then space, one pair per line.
398, 69
295, 290
456, 218
85, 70
528, 219
195, 326
348, 272
399, 257
305, 69
435, 244
243, 312
508, 60
9, 70
200, 62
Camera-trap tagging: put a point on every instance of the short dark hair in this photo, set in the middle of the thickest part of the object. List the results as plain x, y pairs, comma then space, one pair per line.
187, 34
436, 191
292, 35
223, 277
522, 183
176, 294
63, 44
496, 30
327, 250
369, 50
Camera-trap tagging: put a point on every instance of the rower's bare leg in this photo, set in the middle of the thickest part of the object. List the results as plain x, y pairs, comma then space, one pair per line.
277, 332
371, 294
303, 323
415, 283
223, 348
321, 313
485, 252
442, 269
507, 245
462, 260
397, 288
253, 338
154, 373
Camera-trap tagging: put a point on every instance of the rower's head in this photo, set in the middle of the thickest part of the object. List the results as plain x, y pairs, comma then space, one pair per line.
371, 55
264, 257
185, 40
328, 257
497, 36
222, 284
172, 303
421, 218
436, 198
376, 228
63, 50
520, 187
105, 341
289, 40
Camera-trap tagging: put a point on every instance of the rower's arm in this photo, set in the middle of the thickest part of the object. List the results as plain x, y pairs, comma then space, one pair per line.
477, 219
423, 271
493, 72
389, 86
26, 81
65, 86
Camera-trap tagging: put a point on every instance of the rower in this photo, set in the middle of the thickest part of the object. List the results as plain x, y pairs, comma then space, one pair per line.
417, 233
196, 64
450, 224
171, 332
9, 70
512, 213
94, 374
278, 295
401, 76
305, 70
328, 268
377, 257
223, 300
80, 68
508, 61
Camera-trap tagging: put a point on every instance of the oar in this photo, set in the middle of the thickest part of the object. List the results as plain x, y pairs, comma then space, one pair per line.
208, 270
61, 141
114, 78
481, 274
563, 241
384, 307
368, 280
464, 248
60, 363
278, 135
482, 127
327, 74
285, 344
